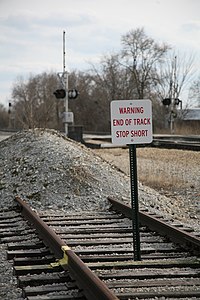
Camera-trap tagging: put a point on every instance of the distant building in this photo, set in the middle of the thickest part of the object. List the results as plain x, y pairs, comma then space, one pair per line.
192, 114
190, 118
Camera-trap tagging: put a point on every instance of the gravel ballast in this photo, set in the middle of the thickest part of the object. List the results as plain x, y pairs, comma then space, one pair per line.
52, 172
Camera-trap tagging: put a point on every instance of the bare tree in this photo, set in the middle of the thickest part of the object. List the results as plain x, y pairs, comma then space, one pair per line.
113, 78
174, 75
90, 107
4, 117
141, 55
194, 92
111, 81
34, 102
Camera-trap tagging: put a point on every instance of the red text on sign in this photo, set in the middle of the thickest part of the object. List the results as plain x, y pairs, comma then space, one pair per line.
138, 133
132, 133
145, 121
121, 122
122, 133
131, 110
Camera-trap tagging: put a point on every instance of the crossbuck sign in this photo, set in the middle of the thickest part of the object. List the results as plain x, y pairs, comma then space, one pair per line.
131, 121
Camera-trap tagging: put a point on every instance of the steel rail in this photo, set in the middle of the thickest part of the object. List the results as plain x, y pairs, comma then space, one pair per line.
175, 144
175, 234
93, 287
159, 141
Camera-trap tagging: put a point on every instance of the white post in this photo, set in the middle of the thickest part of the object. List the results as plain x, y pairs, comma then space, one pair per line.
66, 101
65, 74
174, 95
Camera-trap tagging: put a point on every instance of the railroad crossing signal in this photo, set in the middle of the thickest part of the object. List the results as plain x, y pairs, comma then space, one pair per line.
60, 94
177, 101
9, 105
166, 101
73, 94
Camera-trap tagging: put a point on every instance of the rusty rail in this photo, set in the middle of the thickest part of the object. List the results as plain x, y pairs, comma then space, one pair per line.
93, 287
175, 234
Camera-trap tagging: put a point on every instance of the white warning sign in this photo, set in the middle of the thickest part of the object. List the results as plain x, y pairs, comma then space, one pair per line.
131, 121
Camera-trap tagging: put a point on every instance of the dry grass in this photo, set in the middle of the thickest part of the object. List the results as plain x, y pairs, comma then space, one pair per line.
168, 169
173, 173
163, 169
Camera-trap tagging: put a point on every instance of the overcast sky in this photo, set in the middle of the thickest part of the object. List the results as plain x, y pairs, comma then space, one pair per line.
31, 32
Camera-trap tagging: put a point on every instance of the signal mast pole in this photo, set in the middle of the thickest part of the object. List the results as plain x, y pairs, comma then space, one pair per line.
65, 76
173, 99
173, 96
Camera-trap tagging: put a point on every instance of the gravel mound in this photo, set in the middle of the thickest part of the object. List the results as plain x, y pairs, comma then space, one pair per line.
51, 171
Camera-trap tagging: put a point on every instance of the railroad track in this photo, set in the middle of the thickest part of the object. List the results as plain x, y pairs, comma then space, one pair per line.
89, 255
159, 141
185, 143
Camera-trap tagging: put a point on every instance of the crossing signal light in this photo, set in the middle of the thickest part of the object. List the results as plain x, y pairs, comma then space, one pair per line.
177, 101
9, 109
166, 101
73, 94
60, 94
174, 114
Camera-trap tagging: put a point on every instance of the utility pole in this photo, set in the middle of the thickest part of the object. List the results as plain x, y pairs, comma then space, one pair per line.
174, 93
173, 101
64, 93
65, 76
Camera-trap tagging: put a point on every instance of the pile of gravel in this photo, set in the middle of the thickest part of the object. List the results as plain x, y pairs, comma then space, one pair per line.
51, 171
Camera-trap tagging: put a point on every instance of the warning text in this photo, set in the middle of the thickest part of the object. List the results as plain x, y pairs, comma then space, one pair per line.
131, 121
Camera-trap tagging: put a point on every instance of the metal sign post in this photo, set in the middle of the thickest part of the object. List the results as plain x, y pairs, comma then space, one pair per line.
134, 201
131, 123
